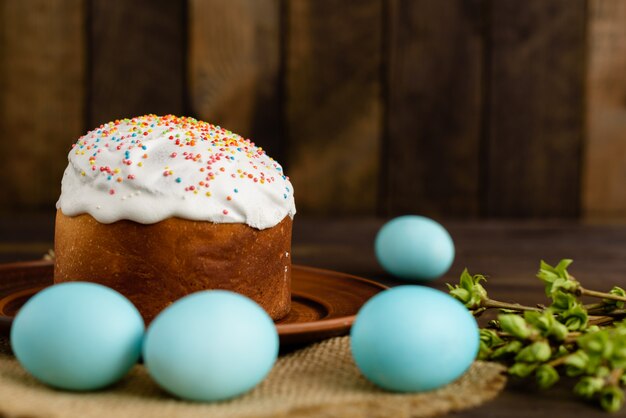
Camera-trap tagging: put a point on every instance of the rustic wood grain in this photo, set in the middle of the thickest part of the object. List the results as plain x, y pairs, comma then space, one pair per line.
432, 147
136, 51
535, 114
234, 65
333, 107
41, 95
604, 187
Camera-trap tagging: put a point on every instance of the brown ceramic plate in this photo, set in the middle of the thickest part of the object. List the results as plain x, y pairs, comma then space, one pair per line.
324, 303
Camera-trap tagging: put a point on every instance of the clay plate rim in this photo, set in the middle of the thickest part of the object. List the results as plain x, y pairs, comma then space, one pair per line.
332, 323
22, 279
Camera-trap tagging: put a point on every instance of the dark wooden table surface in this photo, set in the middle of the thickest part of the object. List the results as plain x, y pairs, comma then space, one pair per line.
507, 252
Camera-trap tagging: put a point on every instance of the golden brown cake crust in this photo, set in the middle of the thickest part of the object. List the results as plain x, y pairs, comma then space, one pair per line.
154, 265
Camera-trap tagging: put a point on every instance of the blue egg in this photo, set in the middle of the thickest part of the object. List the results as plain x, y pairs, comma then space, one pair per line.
414, 248
413, 338
77, 336
211, 345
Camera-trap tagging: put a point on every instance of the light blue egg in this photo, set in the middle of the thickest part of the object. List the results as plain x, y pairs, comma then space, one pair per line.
211, 345
77, 336
414, 248
413, 338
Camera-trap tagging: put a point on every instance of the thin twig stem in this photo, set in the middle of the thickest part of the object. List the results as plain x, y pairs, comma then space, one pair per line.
594, 306
603, 295
614, 377
600, 320
558, 361
490, 303
572, 337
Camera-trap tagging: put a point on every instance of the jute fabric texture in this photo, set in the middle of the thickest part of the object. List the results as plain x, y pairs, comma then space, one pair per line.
320, 380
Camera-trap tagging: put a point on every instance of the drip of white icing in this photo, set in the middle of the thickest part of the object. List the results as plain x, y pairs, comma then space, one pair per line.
150, 168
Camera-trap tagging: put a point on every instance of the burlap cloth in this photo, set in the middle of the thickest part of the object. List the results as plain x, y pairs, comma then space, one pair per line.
318, 381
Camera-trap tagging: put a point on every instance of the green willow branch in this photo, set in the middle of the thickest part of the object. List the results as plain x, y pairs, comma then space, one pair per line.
565, 338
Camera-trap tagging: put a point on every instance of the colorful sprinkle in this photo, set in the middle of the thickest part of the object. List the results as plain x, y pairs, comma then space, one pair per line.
217, 155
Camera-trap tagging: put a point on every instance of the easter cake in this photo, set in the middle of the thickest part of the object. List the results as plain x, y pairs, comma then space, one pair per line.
160, 207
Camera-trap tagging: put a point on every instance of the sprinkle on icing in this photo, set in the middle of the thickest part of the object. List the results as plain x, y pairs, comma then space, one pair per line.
183, 168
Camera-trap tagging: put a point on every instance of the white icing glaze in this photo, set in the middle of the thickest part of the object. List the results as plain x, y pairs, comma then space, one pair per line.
150, 168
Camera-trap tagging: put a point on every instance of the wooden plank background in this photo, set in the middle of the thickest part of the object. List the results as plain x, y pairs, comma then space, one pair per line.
604, 185
42, 97
234, 65
136, 58
434, 84
462, 108
535, 115
333, 103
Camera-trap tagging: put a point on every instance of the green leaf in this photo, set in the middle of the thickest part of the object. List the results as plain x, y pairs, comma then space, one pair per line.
514, 325
562, 301
617, 336
469, 291
565, 285
538, 320
484, 352
602, 371
576, 363
592, 328
522, 369
537, 352
506, 311
588, 386
611, 398
562, 351
561, 268
508, 350
620, 327
465, 281
558, 332
493, 324
575, 318
597, 344
556, 271
490, 338
546, 376
460, 294
611, 304
548, 274
547, 324
618, 360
